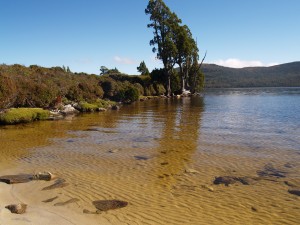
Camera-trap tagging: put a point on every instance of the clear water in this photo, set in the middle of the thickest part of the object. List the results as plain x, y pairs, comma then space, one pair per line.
142, 154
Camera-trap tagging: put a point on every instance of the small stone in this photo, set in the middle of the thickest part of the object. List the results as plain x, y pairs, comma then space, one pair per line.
254, 209
207, 188
191, 171
101, 110
47, 176
17, 208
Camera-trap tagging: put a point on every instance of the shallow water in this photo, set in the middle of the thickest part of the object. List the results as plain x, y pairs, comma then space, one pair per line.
145, 154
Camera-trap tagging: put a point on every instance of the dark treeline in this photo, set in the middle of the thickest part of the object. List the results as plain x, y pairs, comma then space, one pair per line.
284, 75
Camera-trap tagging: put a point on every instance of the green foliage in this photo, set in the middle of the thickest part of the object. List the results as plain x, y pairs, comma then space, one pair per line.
173, 43
23, 115
130, 94
163, 22
142, 68
87, 107
94, 106
159, 89
36, 86
103, 70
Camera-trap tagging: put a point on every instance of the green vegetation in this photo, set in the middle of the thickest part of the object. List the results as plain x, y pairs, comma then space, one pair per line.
92, 107
174, 44
40, 87
23, 115
142, 68
284, 75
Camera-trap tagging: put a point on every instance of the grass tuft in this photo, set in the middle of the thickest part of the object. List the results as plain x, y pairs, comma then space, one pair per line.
23, 115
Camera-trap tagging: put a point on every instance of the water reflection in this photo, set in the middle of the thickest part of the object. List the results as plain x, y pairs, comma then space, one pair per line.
179, 137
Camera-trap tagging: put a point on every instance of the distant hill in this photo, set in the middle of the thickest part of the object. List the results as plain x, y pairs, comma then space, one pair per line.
284, 75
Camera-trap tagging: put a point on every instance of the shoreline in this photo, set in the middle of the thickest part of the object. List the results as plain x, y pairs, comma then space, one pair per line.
39, 212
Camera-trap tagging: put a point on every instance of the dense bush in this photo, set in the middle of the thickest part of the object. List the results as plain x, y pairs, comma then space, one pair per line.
35, 86
130, 94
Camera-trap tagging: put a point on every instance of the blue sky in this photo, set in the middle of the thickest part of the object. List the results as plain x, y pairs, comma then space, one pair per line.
86, 34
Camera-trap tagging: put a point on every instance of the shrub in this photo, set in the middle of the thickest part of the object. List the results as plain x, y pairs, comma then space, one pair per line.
23, 115
130, 94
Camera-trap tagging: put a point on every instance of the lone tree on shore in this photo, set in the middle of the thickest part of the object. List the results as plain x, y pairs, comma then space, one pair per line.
162, 22
173, 44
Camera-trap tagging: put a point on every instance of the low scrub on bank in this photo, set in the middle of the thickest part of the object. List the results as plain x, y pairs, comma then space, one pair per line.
95, 106
23, 115
40, 87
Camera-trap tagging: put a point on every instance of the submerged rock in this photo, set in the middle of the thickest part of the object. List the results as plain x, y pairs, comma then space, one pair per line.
17, 208
270, 171
59, 183
105, 205
50, 199
294, 192
227, 180
24, 178
138, 157
14, 179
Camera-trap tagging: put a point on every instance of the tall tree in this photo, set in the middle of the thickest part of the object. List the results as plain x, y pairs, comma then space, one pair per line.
187, 50
162, 22
142, 68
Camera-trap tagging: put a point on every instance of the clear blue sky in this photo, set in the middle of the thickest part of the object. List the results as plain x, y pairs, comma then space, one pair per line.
86, 34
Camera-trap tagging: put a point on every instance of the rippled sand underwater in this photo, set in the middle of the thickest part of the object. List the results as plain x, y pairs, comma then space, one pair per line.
162, 157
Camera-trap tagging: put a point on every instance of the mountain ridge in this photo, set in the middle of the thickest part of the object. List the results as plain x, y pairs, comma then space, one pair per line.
282, 75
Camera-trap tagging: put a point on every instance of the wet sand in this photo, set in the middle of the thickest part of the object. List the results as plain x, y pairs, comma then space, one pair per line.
158, 161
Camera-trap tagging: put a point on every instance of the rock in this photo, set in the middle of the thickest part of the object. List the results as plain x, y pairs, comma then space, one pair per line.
17, 208
69, 109
254, 209
141, 157
101, 110
47, 176
270, 171
211, 189
290, 184
294, 192
50, 199
225, 180
232, 180
14, 179
191, 171
105, 205
59, 183
115, 107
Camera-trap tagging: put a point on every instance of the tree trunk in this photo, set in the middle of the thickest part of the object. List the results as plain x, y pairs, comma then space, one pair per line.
182, 78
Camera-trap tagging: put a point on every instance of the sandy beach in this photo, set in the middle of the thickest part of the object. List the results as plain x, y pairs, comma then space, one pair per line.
37, 211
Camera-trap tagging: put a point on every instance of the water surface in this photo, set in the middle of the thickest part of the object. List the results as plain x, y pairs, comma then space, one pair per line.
144, 154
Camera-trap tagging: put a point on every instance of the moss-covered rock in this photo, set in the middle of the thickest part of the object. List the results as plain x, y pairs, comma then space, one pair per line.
23, 115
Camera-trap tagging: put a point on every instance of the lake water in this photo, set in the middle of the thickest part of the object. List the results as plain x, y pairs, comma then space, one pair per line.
163, 155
